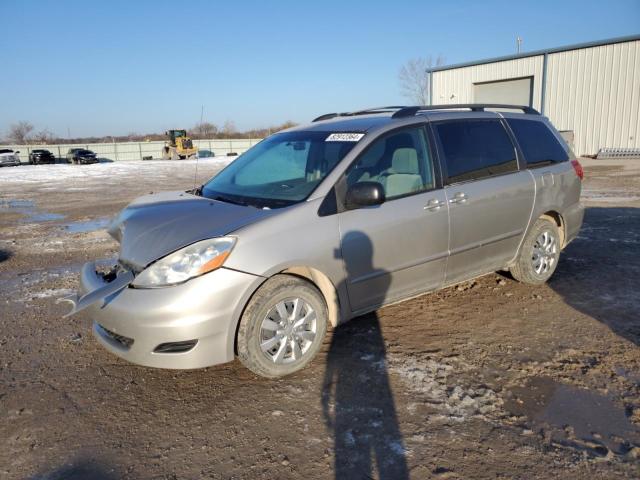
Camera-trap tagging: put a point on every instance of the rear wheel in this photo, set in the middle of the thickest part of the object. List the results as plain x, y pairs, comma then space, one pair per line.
282, 327
539, 254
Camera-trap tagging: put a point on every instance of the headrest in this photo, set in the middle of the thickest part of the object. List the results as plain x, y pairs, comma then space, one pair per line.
405, 160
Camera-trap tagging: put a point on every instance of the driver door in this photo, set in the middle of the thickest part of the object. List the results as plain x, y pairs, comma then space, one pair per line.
399, 248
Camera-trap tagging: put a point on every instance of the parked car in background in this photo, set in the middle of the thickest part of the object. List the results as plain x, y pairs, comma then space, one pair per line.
205, 154
41, 156
81, 156
9, 158
323, 222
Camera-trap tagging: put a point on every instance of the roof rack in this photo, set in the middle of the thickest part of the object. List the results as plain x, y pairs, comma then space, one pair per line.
406, 111
367, 111
474, 107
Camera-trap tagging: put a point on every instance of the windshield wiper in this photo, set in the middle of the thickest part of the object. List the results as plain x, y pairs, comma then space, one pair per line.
220, 198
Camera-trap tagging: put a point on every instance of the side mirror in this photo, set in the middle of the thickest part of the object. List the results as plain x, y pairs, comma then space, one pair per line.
17, 151
364, 194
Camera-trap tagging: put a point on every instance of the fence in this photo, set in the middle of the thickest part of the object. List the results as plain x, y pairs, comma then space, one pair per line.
135, 150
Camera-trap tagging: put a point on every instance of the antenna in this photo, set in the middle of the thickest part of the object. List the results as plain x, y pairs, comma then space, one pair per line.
195, 175
518, 44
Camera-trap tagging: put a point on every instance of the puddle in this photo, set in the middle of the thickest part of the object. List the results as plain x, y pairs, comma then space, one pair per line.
88, 225
28, 209
575, 417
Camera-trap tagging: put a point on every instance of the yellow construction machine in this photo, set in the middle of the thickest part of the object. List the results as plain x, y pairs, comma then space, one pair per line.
178, 146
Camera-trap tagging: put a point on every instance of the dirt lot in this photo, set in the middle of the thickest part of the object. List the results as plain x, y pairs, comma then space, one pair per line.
489, 379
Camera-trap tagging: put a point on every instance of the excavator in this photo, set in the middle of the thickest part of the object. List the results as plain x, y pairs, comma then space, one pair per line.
178, 146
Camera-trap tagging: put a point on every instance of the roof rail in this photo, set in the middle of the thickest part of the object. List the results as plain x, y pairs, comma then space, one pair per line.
474, 107
406, 111
328, 116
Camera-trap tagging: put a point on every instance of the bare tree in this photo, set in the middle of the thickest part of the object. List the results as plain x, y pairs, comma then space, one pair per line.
19, 132
414, 81
43, 136
229, 128
205, 129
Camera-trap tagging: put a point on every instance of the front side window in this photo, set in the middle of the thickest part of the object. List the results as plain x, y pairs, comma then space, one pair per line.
282, 170
399, 161
475, 149
539, 145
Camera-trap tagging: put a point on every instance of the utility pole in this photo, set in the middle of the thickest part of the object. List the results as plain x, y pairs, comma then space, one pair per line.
518, 44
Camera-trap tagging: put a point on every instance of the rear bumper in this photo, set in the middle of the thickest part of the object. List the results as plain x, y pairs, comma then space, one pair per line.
132, 323
573, 217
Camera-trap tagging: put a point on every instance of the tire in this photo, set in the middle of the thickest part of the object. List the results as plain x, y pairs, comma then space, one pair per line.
269, 352
539, 254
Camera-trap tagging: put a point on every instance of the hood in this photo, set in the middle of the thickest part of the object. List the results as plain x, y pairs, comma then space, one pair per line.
155, 225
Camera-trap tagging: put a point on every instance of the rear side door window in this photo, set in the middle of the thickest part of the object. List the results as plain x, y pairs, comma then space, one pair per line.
475, 149
538, 144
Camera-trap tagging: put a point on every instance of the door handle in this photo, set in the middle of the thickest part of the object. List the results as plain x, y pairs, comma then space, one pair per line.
434, 204
459, 197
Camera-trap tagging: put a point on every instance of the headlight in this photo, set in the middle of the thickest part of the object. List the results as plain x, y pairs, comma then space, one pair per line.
186, 263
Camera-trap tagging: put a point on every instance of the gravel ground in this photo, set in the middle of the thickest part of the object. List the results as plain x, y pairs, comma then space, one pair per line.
487, 379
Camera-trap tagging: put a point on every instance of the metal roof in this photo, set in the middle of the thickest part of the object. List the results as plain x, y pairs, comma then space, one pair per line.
535, 53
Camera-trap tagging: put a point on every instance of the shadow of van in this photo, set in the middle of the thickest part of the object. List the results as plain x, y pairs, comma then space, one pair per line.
599, 272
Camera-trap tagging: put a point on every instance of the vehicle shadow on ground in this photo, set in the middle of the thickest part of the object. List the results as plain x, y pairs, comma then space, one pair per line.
79, 470
599, 271
5, 255
357, 400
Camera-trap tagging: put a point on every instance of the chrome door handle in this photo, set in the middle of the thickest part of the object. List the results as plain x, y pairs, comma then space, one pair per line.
434, 204
459, 197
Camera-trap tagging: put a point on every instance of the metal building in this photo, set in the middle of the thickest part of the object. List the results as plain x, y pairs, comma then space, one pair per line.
590, 89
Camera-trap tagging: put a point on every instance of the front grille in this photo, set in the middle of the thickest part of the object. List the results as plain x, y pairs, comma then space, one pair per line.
126, 342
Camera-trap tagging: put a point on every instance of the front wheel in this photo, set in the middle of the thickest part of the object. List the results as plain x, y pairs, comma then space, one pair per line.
539, 254
282, 327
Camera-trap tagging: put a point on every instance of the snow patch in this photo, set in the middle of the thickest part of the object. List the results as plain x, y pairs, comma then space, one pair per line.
101, 171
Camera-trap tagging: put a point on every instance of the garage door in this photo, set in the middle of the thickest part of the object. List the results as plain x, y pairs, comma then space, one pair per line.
516, 91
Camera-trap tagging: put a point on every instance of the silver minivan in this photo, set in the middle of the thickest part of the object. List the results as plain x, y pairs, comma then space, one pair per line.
321, 223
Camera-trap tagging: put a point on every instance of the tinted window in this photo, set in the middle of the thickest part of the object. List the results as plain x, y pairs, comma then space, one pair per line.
399, 161
539, 145
475, 149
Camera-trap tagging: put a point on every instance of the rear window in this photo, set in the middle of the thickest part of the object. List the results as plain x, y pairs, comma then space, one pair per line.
539, 145
475, 149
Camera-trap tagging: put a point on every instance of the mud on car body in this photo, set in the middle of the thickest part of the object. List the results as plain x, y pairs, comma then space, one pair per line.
324, 222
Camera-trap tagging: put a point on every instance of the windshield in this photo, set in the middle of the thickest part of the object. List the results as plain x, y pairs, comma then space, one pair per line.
281, 170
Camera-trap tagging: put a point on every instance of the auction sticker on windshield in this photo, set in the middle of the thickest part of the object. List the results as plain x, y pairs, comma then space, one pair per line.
344, 137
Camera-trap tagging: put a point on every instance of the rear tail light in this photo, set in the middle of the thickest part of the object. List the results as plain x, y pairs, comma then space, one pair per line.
578, 168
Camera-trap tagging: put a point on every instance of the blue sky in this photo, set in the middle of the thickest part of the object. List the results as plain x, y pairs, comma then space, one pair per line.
101, 68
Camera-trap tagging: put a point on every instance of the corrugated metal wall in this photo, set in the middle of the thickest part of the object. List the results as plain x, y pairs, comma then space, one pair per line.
456, 86
594, 91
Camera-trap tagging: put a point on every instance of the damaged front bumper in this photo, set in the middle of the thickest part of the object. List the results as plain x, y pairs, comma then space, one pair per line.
191, 325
